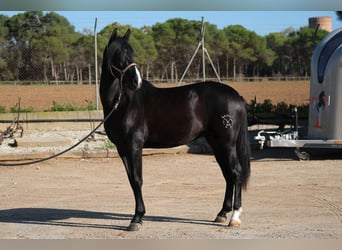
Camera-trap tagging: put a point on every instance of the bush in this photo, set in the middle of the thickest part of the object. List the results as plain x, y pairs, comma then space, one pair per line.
71, 107
91, 106
283, 108
2, 109
280, 108
62, 106
22, 110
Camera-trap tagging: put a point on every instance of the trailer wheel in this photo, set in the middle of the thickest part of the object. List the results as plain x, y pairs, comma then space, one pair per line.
302, 155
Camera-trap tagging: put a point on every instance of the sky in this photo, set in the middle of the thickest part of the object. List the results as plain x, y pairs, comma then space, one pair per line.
262, 22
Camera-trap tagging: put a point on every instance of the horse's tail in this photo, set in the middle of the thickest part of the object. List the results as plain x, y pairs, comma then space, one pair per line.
243, 150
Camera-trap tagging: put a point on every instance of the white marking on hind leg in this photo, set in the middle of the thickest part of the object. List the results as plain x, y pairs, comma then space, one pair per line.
235, 219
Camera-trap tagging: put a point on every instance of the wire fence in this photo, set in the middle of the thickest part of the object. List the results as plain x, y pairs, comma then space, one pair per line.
164, 81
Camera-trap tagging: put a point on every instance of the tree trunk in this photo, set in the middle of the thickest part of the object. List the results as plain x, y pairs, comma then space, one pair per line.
65, 72
172, 71
227, 68
81, 76
147, 71
89, 71
77, 75
72, 75
176, 73
234, 69
46, 80
53, 72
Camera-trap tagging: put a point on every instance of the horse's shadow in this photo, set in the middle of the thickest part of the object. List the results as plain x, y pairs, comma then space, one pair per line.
60, 217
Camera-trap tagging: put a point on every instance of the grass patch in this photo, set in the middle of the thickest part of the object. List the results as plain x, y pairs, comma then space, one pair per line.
109, 144
71, 107
22, 110
2, 109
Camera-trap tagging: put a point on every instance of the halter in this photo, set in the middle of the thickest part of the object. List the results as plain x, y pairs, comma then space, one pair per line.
122, 74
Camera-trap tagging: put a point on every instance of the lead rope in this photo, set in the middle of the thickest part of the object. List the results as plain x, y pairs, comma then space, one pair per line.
70, 148
115, 107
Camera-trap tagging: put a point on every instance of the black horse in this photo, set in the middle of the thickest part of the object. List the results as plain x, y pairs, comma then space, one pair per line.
141, 115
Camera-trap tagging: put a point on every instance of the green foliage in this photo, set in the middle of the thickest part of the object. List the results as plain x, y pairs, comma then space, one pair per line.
175, 41
71, 107
55, 107
281, 108
86, 147
109, 144
44, 46
62, 107
266, 106
303, 111
22, 110
2, 109
91, 106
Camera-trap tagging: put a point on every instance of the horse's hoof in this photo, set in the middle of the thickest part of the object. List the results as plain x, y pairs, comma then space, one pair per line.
234, 223
220, 219
134, 227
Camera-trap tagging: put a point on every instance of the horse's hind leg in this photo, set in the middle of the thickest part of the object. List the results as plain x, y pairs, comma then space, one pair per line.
235, 219
221, 159
235, 169
227, 159
227, 204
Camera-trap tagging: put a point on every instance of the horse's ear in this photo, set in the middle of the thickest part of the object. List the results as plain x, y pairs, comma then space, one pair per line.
127, 35
113, 36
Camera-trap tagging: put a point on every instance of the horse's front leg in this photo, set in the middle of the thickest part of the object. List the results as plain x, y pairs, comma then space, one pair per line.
133, 164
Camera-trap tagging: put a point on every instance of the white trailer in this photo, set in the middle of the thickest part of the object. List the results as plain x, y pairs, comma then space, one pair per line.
325, 107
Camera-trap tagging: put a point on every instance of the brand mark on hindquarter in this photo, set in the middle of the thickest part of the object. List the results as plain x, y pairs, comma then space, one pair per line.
227, 120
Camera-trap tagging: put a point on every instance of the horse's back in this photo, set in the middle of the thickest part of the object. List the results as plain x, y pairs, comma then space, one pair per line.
175, 116
203, 90
220, 100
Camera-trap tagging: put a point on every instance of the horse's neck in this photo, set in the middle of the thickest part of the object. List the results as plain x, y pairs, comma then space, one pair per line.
109, 91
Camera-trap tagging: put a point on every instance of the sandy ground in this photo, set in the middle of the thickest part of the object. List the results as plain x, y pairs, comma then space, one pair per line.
92, 199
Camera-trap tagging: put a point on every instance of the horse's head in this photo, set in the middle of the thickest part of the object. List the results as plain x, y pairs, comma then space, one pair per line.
119, 55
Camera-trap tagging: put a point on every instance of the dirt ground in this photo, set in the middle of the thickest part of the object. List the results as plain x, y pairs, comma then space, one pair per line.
41, 97
92, 199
